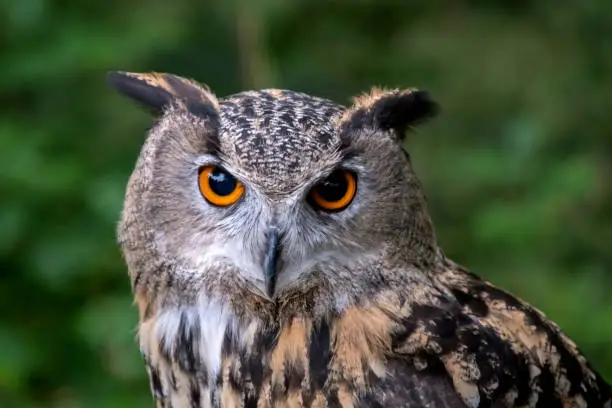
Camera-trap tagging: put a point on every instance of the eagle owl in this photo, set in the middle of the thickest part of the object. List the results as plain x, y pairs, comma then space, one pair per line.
281, 255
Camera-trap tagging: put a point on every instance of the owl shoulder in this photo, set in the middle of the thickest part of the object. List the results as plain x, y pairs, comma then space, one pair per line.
494, 347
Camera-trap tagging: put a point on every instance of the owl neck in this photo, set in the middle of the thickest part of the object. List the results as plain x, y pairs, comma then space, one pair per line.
188, 350
214, 345
412, 238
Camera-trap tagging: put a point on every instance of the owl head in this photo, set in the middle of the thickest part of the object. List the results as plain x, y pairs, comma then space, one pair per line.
271, 194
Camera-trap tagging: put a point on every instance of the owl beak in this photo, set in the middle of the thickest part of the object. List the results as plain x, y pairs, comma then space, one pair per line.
271, 260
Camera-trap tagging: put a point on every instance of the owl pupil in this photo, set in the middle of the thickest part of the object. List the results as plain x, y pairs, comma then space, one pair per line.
221, 182
334, 187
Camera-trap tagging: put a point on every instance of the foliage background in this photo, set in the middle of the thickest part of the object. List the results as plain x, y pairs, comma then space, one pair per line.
517, 169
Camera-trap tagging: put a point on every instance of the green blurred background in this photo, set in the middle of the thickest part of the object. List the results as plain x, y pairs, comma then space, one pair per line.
517, 169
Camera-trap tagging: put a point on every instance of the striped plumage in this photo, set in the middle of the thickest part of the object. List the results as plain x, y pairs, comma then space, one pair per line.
414, 346
365, 309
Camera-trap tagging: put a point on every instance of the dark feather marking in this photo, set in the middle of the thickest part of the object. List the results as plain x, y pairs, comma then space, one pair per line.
156, 385
152, 97
250, 402
252, 367
248, 111
319, 354
183, 88
169, 281
523, 387
396, 111
359, 119
294, 373
401, 110
227, 348
186, 347
439, 323
332, 399
496, 361
475, 303
228, 345
307, 396
401, 332
370, 401
203, 109
287, 117
266, 121
279, 390
212, 143
219, 380
546, 396
324, 138
267, 339
194, 393
173, 381
137, 278
235, 378
202, 376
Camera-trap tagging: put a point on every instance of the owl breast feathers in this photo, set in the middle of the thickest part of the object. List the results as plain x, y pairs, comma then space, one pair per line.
281, 255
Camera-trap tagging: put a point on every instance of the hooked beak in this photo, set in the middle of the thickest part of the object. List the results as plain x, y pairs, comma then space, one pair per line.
273, 250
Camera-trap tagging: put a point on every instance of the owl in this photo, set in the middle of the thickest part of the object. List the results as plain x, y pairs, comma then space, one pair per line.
281, 254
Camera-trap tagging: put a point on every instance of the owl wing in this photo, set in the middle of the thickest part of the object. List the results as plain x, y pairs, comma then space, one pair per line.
405, 386
487, 347
461, 342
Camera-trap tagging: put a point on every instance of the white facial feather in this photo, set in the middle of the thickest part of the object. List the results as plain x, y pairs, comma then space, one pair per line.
244, 251
229, 251
300, 266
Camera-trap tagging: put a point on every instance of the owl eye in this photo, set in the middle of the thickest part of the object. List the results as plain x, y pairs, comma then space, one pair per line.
336, 192
219, 187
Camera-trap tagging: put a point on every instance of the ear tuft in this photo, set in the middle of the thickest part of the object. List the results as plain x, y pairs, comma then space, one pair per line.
404, 109
395, 110
157, 91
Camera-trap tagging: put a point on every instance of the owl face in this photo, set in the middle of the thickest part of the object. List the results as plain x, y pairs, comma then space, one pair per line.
271, 191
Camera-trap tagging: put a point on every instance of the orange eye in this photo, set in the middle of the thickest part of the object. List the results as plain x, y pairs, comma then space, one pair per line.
219, 187
336, 192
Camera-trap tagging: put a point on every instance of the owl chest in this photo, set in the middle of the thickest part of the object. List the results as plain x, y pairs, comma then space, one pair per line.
213, 361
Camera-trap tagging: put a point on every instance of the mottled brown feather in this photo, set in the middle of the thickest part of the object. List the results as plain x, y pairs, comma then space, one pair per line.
444, 355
